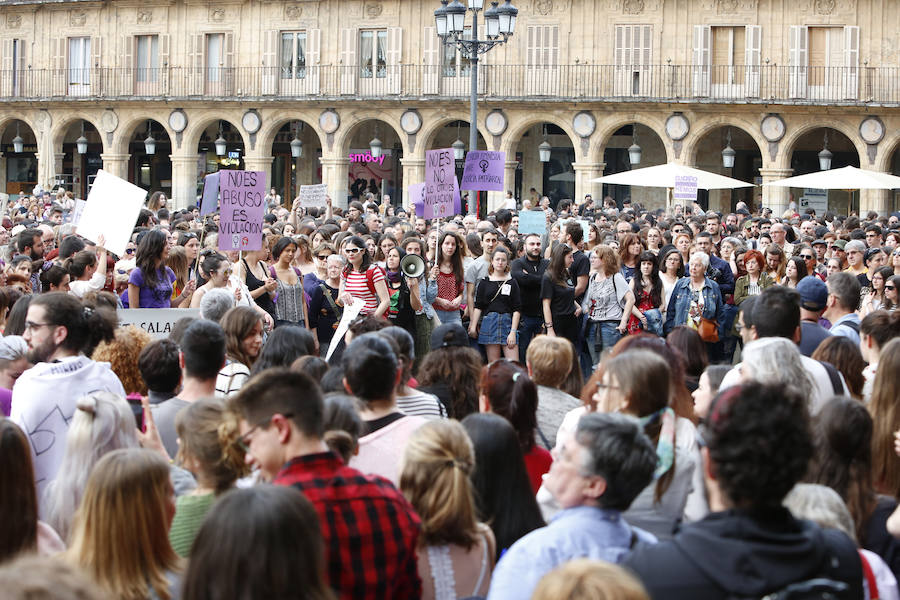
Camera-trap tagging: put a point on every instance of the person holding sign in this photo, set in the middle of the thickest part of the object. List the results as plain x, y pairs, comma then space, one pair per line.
363, 279
150, 283
447, 275
497, 297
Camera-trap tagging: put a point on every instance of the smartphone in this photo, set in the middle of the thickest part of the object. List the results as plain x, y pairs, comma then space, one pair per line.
134, 401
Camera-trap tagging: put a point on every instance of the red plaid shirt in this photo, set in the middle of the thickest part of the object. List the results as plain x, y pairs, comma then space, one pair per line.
370, 529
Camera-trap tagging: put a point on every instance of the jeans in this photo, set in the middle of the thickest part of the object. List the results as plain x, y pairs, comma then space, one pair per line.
654, 321
528, 328
601, 336
722, 352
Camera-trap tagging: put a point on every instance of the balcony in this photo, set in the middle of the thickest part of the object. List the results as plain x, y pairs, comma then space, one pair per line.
762, 84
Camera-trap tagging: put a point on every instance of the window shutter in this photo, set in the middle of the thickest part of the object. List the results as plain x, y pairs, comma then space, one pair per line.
313, 58
798, 58
60, 70
128, 70
196, 65
349, 64
270, 65
430, 72
165, 45
229, 73
752, 54
702, 35
394, 57
96, 65
851, 62
7, 66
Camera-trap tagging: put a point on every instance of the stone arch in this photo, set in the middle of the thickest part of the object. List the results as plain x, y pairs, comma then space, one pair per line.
430, 131
518, 127
607, 128
708, 125
197, 125
351, 122
127, 125
886, 149
787, 145
59, 128
266, 136
7, 120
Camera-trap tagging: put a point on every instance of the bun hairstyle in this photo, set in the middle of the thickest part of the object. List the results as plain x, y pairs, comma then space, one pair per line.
52, 275
209, 437
87, 404
85, 326
80, 261
343, 426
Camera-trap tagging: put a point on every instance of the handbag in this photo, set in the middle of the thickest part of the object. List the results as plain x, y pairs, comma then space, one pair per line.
708, 330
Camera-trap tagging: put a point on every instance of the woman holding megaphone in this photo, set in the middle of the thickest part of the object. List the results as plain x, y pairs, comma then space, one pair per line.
403, 289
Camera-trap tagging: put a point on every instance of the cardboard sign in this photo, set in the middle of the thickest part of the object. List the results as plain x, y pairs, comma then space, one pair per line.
112, 209
441, 187
158, 322
532, 221
417, 198
210, 194
484, 171
243, 204
313, 195
685, 188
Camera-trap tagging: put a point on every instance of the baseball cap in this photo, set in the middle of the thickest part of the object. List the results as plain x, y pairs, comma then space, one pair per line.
820, 242
839, 244
449, 334
813, 293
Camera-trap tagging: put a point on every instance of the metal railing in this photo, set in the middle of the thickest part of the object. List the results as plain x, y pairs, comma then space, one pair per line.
769, 84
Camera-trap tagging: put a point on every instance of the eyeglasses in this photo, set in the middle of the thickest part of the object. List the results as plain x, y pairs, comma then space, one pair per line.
29, 326
323, 256
606, 386
243, 441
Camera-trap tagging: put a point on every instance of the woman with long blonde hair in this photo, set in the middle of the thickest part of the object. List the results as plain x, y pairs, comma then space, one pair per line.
456, 552
121, 532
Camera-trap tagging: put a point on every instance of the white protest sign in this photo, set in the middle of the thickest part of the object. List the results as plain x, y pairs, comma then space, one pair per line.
814, 198
158, 322
532, 221
313, 195
350, 313
112, 209
78, 211
685, 188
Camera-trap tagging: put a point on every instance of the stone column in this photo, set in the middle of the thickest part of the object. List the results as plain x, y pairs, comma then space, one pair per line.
116, 164
335, 173
184, 180
776, 198
584, 172
413, 172
877, 200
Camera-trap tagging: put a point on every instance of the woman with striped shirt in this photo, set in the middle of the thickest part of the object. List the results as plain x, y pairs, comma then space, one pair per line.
363, 279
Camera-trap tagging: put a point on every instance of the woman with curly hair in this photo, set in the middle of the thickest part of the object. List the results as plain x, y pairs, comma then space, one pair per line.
122, 354
209, 447
451, 370
435, 479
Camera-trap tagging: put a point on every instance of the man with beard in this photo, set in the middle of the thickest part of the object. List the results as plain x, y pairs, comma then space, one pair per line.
58, 330
528, 271
30, 243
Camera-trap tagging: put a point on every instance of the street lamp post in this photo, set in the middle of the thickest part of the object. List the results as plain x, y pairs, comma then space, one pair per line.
500, 22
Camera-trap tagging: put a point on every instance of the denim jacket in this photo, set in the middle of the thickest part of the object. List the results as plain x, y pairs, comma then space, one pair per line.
680, 303
427, 292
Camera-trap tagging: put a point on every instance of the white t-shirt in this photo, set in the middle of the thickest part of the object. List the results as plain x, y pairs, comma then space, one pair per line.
43, 404
80, 288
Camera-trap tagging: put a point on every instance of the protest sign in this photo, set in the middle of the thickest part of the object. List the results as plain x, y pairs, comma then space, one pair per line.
210, 194
77, 212
441, 187
111, 209
242, 201
532, 221
685, 188
158, 322
484, 171
313, 196
349, 314
417, 198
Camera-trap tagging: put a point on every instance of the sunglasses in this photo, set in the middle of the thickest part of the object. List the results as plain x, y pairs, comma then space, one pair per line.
890, 287
806, 256
352, 250
323, 256
129, 250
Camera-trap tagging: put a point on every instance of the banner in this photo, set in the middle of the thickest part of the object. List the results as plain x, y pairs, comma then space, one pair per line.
685, 188
210, 194
158, 322
112, 209
484, 171
441, 187
242, 208
313, 196
532, 221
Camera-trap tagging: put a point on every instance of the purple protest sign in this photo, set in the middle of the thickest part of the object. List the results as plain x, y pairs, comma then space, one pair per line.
441, 187
484, 171
242, 207
417, 198
210, 194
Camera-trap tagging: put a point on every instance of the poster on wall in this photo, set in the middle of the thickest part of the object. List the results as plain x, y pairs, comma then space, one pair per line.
366, 170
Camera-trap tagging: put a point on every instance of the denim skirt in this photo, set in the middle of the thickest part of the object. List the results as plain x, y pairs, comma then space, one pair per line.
495, 328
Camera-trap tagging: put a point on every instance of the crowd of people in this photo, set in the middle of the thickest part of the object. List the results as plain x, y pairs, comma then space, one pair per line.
623, 403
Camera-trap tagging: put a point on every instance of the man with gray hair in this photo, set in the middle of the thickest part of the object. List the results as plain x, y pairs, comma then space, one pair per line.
594, 478
215, 303
840, 308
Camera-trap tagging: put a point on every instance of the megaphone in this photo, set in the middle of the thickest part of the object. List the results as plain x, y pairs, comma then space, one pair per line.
412, 265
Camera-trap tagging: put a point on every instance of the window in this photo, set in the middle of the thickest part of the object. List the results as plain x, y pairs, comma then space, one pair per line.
372, 46
633, 48
293, 55
455, 63
79, 61
729, 48
215, 56
147, 52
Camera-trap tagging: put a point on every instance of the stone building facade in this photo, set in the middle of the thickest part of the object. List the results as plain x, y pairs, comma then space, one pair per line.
681, 78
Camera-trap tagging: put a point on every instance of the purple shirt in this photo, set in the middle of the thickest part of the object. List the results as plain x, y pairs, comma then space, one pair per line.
5, 401
156, 297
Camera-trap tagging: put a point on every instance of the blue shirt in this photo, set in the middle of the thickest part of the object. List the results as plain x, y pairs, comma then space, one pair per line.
840, 327
580, 532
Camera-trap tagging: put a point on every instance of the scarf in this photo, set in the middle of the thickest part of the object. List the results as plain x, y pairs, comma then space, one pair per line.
394, 276
665, 447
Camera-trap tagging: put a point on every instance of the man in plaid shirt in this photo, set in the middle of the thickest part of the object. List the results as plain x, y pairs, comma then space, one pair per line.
369, 529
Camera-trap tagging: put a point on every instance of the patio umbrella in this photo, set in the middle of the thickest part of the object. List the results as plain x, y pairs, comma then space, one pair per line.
845, 178
663, 176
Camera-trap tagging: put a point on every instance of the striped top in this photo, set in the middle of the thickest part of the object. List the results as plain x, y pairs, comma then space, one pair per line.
357, 285
190, 510
421, 404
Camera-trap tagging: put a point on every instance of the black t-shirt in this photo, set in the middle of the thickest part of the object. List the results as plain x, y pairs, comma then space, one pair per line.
529, 274
497, 296
581, 266
562, 297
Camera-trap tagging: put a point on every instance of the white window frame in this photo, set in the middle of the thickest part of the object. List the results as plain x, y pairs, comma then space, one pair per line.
374, 66
299, 45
